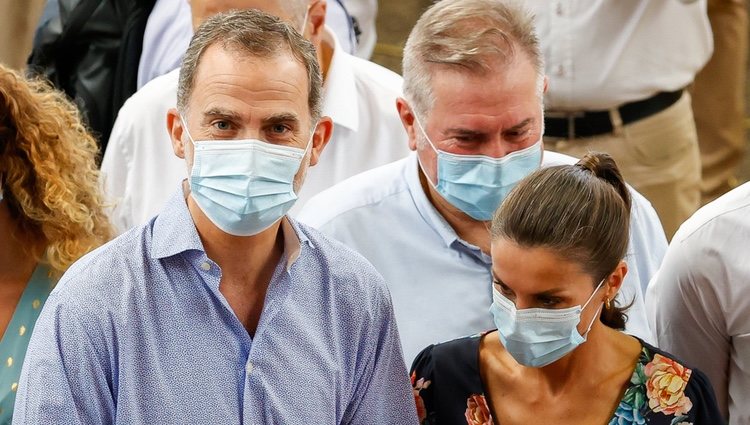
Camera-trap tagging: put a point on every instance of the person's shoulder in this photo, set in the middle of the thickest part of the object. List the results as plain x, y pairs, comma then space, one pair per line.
551, 159
159, 92
452, 367
379, 79
673, 386
643, 212
339, 262
728, 215
100, 276
369, 189
460, 354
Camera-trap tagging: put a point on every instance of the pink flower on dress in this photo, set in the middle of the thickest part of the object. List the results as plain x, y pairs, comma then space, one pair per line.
417, 386
666, 385
477, 411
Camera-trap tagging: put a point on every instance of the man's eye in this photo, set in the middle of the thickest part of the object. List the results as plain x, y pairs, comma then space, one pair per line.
279, 128
465, 139
519, 134
222, 125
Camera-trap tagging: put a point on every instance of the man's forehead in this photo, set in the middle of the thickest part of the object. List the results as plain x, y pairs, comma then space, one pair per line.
224, 73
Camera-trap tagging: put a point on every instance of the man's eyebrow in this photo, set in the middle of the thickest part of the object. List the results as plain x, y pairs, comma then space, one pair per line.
282, 117
520, 125
223, 113
463, 132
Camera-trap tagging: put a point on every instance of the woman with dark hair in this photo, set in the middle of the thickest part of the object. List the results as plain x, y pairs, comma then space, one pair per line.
558, 355
51, 212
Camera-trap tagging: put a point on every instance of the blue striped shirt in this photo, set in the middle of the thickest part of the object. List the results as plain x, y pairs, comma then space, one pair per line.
137, 332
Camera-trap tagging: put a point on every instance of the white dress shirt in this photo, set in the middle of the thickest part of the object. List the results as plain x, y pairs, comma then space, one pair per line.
165, 39
440, 284
140, 169
699, 302
366, 13
170, 27
603, 53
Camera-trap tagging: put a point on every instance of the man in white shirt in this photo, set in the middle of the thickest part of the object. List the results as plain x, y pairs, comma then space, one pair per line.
140, 170
165, 39
699, 302
169, 29
473, 85
364, 14
617, 73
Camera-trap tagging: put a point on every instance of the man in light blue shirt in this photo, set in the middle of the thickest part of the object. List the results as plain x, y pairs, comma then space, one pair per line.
473, 86
221, 310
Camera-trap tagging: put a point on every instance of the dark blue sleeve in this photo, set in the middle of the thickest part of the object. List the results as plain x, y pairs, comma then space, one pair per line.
705, 410
422, 378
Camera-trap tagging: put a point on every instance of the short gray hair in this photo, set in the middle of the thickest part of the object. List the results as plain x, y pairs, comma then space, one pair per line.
467, 35
257, 34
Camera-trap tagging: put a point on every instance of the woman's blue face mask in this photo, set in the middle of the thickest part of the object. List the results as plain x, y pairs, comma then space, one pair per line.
536, 337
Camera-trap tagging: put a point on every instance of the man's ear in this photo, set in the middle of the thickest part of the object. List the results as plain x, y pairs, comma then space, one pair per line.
316, 21
408, 118
321, 136
175, 129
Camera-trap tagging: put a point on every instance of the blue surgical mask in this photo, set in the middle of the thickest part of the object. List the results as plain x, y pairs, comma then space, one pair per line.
536, 337
244, 186
477, 184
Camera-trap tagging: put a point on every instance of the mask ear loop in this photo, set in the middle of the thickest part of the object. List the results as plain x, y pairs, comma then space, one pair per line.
429, 142
598, 310
312, 136
185, 127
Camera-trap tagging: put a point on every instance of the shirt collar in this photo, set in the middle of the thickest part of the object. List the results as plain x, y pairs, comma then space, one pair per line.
339, 89
424, 207
174, 232
293, 238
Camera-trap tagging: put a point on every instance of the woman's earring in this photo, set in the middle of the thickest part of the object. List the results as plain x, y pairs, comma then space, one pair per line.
607, 304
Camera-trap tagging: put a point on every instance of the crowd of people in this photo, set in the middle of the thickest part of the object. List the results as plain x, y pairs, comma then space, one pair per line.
272, 229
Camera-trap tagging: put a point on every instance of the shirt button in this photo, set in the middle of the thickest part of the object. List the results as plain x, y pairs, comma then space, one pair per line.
559, 9
249, 367
205, 266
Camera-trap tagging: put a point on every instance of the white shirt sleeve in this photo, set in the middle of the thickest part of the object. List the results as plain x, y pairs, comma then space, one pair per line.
115, 175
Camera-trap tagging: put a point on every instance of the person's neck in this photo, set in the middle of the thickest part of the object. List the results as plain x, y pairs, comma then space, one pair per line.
472, 231
18, 255
246, 256
582, 363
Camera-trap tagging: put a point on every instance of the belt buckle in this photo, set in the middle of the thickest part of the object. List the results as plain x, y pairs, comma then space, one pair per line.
570, 116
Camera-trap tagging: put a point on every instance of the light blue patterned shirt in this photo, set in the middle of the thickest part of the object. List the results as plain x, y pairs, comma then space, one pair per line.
137, 332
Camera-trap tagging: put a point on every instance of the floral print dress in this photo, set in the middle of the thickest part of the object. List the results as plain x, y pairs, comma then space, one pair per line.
448, 389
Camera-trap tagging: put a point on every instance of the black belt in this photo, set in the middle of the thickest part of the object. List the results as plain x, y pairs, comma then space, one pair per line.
571, 125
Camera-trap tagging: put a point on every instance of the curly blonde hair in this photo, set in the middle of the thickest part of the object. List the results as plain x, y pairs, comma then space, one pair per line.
48, 172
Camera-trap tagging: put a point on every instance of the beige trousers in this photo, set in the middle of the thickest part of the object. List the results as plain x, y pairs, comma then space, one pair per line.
18, 21
719, 99
657, 155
